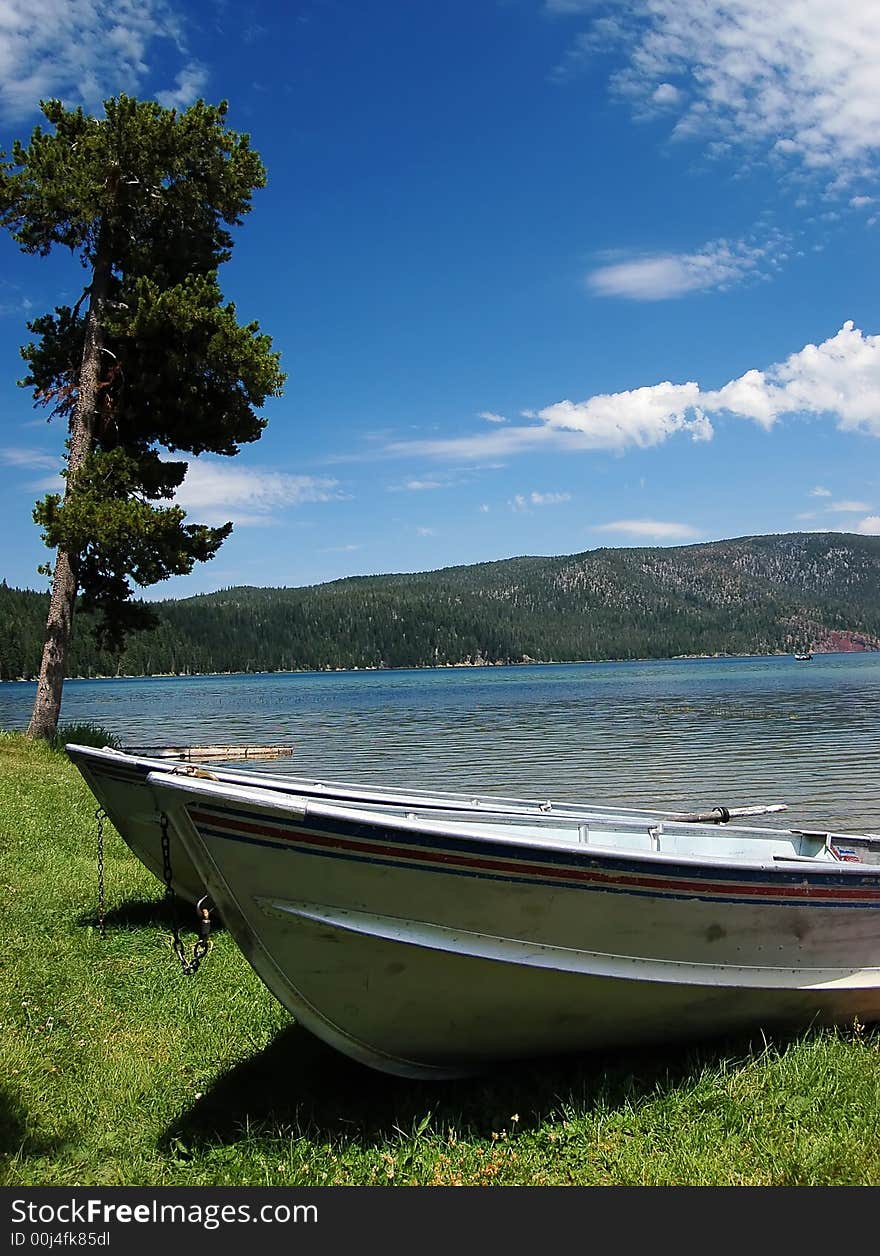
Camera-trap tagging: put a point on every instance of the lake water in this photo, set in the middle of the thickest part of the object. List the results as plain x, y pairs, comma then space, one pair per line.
676, 734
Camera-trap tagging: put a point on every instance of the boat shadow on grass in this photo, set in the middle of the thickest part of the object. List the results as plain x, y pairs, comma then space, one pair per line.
298, 1087
18, 1135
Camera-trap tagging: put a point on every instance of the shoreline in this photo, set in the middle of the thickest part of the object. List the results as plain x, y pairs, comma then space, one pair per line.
445, 667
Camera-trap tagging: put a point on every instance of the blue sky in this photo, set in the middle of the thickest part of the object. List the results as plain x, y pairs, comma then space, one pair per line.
545, 275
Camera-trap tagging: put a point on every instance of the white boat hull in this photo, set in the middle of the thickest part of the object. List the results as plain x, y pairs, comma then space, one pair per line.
431, 948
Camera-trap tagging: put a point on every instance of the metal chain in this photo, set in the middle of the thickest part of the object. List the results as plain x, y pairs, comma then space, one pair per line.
189, 966
166, 855
101, 816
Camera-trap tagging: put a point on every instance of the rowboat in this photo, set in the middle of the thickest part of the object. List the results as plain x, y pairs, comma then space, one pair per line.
430, 943
119, 783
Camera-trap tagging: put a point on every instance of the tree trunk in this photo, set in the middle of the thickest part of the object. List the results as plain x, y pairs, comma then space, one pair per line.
47, 705
59, 626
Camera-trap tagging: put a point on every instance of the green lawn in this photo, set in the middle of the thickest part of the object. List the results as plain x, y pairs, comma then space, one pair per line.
117, 1069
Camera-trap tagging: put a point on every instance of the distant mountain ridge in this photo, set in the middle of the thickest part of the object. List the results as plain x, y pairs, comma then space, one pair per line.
788, 593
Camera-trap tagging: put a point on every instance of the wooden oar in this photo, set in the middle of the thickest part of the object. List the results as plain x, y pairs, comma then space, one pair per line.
720, 815
226, 754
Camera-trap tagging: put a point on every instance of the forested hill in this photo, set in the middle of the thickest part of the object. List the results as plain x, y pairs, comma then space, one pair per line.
755, 595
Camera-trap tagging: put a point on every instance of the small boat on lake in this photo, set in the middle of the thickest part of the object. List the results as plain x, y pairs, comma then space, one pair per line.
803, 658
429, 943
119, 783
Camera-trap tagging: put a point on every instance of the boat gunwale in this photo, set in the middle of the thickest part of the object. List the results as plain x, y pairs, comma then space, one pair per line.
307, 809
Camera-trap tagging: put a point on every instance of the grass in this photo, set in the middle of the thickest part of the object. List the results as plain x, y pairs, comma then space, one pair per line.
87, 734
115, 1069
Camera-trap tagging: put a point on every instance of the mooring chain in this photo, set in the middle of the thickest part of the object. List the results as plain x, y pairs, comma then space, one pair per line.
203, 911
101, 816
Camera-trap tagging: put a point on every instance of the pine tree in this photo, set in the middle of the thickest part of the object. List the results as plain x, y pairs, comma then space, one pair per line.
145, 197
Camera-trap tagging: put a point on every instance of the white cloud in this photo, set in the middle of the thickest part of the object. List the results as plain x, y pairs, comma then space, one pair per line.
819, 491
491, 417
650, 529
420, 486
839, 379
549, 499
666, 94
29, 459
718, 265
19, 305
869, 526
794, 77
523, 501
641, 417
499, 442
848, 508
436, 480
83, 51
859, 202
215, 492
484, 509
189, 85
426, 532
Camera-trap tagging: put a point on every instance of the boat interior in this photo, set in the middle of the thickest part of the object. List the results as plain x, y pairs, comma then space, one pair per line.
600, 831
628, 834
